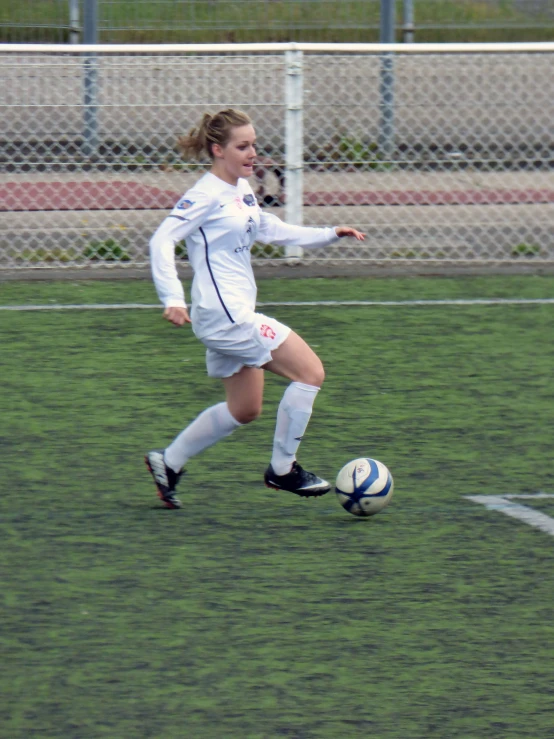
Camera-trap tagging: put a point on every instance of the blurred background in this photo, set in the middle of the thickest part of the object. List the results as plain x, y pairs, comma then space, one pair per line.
222, 21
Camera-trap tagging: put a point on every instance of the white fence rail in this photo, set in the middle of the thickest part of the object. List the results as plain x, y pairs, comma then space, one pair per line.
444, 154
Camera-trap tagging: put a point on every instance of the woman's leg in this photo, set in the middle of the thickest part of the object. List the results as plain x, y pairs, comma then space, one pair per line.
244, 391
295, 360
243, 404
298, 362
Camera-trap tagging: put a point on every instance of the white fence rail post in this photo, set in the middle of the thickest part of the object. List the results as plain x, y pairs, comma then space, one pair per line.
90, 82
294, 138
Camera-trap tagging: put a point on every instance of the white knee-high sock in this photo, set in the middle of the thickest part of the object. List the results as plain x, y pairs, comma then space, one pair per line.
293, 415
210, 426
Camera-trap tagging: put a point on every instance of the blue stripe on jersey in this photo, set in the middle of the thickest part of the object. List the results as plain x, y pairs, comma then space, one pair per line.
212, 275
179, 218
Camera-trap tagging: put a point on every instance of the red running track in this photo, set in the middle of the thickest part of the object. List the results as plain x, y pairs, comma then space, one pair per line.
59, 196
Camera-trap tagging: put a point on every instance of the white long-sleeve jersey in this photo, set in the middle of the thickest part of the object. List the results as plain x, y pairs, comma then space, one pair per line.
220, 223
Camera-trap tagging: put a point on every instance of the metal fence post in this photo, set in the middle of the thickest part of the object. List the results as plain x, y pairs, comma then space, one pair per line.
294, 142
74, 28
386, 126
408, 27
90, 113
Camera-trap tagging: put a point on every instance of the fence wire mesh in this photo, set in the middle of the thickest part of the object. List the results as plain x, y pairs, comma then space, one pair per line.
464, 174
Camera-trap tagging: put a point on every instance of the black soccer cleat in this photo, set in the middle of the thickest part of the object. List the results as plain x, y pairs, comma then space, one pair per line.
297, 481
165, 478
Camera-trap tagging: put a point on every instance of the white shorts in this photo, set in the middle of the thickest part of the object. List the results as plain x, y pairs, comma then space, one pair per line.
241, 345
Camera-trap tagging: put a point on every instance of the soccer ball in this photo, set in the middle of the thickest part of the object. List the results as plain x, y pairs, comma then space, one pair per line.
364, 486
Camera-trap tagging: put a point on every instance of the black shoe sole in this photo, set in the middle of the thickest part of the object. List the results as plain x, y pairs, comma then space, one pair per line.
168, 502
301, 493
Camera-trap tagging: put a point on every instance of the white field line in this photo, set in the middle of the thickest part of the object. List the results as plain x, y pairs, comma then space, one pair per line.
294, 303
504, 504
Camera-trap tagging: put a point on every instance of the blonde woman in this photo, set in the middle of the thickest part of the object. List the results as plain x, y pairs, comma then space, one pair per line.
219, 219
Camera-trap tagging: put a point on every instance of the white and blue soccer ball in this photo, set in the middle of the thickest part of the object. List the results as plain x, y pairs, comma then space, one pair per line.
364, 486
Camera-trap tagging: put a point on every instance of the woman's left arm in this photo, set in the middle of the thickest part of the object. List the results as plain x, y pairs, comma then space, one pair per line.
273, 230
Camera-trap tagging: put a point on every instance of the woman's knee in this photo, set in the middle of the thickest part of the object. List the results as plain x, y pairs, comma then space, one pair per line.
246, 413
244, 394
297, 361
314, 375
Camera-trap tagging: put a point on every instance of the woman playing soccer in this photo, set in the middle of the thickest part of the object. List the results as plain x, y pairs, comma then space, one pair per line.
220, 220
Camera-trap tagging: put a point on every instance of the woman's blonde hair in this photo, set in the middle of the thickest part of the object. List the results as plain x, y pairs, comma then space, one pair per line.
213, 129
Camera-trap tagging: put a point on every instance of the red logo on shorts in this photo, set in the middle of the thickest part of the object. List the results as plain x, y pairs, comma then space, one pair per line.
267, 331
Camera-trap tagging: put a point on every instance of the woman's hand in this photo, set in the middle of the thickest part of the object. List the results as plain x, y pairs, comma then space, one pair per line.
177, 316
343, 231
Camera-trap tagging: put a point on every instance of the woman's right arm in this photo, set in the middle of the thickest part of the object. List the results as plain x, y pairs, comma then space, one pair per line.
185, 218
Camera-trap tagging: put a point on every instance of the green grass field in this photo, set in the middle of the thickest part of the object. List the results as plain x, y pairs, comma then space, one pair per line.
202, 21
249, 614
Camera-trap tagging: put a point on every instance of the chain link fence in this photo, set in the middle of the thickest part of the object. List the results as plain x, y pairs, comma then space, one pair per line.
444, 157
225, 21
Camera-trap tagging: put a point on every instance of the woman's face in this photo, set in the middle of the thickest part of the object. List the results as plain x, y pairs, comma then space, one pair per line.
236, 158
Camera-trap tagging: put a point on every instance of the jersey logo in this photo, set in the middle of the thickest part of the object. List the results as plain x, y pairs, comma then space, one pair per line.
267, 331
250, 200
184, 204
